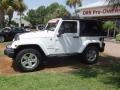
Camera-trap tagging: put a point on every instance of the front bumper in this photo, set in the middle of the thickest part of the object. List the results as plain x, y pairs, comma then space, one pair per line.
9, 52
102, 48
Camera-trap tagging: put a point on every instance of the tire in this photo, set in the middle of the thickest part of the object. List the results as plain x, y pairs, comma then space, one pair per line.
28, 60
2, 39
91, 55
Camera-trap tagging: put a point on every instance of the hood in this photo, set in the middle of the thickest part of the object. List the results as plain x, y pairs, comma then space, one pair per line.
38, 34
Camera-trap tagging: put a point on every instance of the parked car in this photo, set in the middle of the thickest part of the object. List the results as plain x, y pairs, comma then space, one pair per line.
7, 34
40, 27
27, 28
61, 37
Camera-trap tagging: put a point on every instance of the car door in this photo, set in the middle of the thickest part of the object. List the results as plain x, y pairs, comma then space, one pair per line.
12, 33
68, 41
16, 31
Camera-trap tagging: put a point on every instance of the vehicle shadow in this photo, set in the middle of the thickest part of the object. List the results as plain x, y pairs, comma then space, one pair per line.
63, 61
107, 69
55, 62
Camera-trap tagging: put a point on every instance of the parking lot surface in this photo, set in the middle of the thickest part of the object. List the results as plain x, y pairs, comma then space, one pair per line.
112, 49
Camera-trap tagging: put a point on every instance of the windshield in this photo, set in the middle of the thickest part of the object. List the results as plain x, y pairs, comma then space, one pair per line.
51, 26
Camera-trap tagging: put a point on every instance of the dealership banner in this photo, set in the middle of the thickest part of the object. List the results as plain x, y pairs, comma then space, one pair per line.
99, 11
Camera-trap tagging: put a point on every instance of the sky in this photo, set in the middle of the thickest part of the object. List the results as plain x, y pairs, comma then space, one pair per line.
36, 3
33, 4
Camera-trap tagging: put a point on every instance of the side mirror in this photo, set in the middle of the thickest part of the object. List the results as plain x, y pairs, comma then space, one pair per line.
58, 35
61, 31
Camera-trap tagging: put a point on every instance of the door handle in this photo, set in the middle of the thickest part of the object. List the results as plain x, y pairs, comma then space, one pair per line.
75, 36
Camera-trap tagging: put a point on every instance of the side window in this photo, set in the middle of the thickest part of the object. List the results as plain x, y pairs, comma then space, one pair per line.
90, 28
68, 27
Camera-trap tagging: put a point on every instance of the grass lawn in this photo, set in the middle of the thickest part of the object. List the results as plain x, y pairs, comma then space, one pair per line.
1, 53
97, 77
54, 81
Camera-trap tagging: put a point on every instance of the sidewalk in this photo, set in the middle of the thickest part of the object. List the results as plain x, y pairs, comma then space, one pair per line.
112, 49
112, 40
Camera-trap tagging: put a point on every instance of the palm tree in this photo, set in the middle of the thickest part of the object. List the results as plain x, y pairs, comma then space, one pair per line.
5, 6
10, 11
74, 4
17, 5
1, 14
21, 9
8, 7
109, 25
115, 3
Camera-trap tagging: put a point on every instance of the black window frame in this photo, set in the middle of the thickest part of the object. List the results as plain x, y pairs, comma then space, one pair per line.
71, 31
99, 32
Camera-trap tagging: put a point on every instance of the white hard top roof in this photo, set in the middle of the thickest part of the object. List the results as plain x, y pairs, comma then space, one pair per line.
54, 20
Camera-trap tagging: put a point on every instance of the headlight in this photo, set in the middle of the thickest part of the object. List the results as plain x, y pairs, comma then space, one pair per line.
16, 37
8, 45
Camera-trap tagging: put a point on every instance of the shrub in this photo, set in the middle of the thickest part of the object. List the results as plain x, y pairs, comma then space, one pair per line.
118, 37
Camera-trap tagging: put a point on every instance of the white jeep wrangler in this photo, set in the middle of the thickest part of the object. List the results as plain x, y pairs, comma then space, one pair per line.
60, 37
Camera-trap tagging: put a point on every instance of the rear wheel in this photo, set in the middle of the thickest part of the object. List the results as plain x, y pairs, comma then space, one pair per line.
2, 39
91, 55
28, 60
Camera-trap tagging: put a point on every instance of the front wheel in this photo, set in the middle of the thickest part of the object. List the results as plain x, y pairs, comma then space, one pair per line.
91, 55
28, 60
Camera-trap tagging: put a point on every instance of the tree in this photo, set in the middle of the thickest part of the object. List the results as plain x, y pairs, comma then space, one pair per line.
61, 12
74, 4
21, 8
42, 14
33, 17
56, 11
8, 7
50, 10
10, 11
1, 14
36, 16
115, 3
109, 25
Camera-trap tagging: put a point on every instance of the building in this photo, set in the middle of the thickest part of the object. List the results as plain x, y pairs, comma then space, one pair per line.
99, 10
23, 22
102, 11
